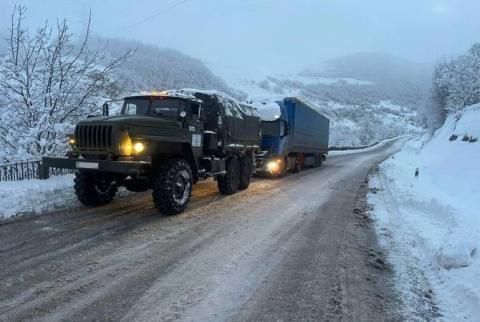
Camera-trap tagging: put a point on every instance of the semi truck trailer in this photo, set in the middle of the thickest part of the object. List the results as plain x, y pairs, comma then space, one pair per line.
295, 137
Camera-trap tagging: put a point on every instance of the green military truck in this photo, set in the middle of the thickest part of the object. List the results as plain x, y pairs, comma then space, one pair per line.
166, 142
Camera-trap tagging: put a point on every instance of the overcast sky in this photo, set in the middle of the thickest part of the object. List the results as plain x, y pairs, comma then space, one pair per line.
281, 35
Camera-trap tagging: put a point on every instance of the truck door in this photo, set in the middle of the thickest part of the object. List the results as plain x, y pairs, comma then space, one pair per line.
195, 128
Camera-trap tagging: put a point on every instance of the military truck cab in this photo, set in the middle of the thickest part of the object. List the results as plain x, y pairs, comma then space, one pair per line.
166, 142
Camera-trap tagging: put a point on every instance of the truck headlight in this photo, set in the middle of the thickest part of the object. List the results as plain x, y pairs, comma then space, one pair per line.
138, 147
71, 140
125, 144
273, 166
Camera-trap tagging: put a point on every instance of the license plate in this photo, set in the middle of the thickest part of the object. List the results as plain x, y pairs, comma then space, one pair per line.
87, 165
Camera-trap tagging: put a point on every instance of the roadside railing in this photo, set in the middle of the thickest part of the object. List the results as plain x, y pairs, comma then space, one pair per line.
344, 148
358, 147
27, 170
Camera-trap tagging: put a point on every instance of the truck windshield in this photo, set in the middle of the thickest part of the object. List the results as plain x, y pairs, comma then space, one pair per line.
136, 106
166, 106
272, 128
161, 106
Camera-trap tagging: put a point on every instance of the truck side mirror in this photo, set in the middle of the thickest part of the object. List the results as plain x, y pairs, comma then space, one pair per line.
105, 111
285, 128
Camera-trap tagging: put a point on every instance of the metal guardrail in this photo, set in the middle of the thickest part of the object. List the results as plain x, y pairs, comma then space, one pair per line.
27, 170
343, 148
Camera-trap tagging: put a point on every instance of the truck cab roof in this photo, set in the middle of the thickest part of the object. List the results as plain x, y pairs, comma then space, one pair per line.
231, 106
165, 94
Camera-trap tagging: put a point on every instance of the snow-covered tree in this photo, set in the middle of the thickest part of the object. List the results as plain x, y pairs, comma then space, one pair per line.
155, 68
48, 83
457, 82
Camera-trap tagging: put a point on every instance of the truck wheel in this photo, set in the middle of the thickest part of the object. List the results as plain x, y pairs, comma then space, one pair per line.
172, 187
246, 169
94, 188
298, 166
319, 161
228, 183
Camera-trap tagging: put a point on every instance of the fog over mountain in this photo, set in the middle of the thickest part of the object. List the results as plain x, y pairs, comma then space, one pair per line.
398, 79
368, 96
275, 35
154, 68
375, 67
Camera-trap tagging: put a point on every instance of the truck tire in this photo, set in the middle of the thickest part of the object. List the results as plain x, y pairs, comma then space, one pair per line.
172, 186
94, 188
246, 169
320, 160
228, 184
298, 166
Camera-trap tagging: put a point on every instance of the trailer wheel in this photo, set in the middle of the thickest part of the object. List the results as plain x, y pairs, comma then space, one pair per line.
321, 158
172, 187
246, 169
298, 166
94, 188
228, 184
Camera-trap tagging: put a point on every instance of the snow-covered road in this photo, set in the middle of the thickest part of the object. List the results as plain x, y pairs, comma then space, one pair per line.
297, 248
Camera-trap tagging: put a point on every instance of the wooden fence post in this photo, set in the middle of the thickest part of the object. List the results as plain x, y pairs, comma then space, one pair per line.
43, 171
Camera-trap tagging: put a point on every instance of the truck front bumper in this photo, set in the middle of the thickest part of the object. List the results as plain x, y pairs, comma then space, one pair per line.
123, 167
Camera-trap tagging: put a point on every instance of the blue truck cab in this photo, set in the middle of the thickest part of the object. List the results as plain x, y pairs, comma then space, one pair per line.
294, 136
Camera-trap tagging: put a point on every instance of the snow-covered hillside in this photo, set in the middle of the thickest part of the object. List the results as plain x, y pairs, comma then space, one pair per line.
362, 110
433, 221
155, 68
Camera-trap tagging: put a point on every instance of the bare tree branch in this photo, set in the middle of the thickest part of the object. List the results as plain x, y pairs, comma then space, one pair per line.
47, 83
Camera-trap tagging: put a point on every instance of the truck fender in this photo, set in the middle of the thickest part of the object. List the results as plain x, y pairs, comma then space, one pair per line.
190, 158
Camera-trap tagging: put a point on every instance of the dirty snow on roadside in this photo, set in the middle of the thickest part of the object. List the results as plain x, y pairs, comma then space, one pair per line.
35, 196
431, 224
28, 197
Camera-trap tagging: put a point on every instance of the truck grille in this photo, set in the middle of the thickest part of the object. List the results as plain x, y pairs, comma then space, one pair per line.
260, 160
94, 136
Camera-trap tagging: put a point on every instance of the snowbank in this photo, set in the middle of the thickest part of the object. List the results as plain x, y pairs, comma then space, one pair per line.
35, 196
40, 196
434, 221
